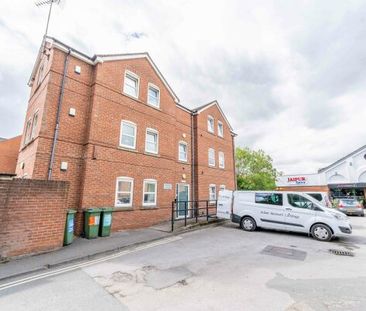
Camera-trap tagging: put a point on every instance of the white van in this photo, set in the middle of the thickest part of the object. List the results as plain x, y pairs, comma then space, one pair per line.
282, 210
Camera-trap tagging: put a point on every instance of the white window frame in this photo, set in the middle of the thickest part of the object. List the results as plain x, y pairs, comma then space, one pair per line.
126, 179
150, 181
209, 158
213, 124
121, 133
131, 76
220, 133
212, 200
222, 187
186, 158
221, 159
151, 130
28, 131
35, 115
153, 86
40, 74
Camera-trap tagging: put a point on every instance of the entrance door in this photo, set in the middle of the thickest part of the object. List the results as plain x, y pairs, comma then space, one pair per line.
182, 196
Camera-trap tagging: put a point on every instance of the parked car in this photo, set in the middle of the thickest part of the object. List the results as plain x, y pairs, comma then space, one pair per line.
282, 210
350, 207
322, 197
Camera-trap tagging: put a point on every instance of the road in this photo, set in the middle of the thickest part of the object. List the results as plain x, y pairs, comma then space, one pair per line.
218, 268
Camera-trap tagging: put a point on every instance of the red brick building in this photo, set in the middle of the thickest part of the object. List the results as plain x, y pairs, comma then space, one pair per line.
112, 126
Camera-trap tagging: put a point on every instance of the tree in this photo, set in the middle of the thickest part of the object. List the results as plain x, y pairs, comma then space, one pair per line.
254, 170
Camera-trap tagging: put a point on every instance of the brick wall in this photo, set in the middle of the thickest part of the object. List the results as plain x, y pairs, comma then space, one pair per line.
32, 216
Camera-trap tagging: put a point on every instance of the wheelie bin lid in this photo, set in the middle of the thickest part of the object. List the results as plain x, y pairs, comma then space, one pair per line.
71, 211
93, 210
107, 209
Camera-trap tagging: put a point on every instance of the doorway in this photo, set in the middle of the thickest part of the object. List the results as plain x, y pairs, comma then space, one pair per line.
182, 196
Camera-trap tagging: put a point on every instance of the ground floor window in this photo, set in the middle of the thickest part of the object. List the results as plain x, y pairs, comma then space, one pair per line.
149, 192
212, 193
124, 192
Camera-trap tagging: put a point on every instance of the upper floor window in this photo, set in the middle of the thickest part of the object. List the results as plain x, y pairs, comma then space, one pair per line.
221, 160
210, 124
220, 129
40, 74
128, 135
222, 187
149, 192
211, 157
131, 84
182, 150
153, 98
34, 125
28, 132
124, 191
152, 138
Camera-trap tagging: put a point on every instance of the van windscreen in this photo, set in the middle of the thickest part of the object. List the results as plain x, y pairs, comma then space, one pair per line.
316, 196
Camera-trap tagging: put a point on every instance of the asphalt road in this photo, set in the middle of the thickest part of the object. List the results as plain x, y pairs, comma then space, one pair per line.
218, 268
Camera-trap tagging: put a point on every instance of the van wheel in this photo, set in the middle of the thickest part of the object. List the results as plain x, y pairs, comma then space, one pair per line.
321, 232
248, 224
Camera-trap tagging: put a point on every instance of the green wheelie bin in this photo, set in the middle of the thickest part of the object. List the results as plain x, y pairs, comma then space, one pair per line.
69, 227
91, 222
105, 221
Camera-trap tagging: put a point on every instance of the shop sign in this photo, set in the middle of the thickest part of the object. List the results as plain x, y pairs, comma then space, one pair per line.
298, 180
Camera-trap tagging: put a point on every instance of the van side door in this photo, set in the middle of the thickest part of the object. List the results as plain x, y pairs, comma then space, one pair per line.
299, 212
270, 210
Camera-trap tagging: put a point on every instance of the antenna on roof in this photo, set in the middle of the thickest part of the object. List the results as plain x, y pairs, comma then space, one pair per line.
47, 2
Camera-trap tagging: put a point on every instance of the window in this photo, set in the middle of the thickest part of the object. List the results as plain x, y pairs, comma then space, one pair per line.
222, 187
299, 201
149, 192
131, 84
124, 192
153, 96
128, 135
210, 124
220, 129
34, 125
221, 160
268, 198
316, 196
211, 157
40, 74
28, 132
212, 193
182, 150
152, 141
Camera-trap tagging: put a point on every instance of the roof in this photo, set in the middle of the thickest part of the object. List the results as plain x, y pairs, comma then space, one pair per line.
98, 58
342, 159
210, 104
9, 149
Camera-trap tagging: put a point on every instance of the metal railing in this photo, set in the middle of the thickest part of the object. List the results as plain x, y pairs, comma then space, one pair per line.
186, 210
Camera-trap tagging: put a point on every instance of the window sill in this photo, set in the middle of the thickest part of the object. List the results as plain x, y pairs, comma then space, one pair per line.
152, 154
131, 96
127, 149
155, 107
148, 207
122, 209
183, 162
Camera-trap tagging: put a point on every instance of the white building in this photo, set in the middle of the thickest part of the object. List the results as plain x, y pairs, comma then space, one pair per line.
347, 176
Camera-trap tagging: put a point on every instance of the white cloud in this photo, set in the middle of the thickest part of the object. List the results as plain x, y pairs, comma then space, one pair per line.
288, 74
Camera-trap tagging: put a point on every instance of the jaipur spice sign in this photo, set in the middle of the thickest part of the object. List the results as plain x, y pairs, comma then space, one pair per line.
298, 180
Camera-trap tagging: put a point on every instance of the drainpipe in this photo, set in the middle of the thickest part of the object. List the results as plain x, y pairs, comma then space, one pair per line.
192, 156
59, 105
235, 177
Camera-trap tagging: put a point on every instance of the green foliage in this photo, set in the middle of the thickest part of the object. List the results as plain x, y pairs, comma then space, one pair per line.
254, 170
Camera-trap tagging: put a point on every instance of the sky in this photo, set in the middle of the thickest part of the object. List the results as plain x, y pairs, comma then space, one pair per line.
289, 75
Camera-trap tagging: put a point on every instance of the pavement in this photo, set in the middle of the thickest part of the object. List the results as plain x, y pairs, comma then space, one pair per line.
216, 268
84, 249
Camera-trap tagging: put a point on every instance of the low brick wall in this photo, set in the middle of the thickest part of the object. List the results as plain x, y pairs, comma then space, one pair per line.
32, 216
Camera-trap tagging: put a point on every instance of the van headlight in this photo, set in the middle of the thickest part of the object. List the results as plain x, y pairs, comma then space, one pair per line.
339, 216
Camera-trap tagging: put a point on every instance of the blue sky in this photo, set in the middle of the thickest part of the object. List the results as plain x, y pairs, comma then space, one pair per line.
289, 75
